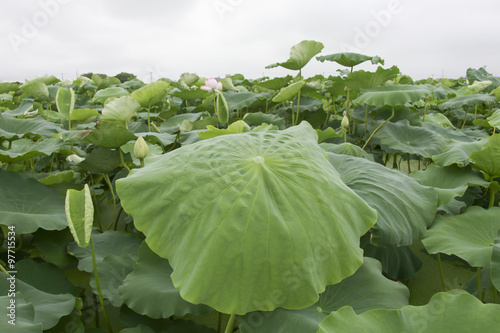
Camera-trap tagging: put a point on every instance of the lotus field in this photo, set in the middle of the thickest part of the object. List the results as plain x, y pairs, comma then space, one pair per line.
361, 201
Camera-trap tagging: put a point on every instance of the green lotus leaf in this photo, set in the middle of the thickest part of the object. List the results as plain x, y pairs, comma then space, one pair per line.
191, 94
121, 109
488, 159
164, 138
467, 100
405, 208
449, 182
80, 214
241, 100
102, 160
172, 124
235, 128
44, 277
222, 108
25, 106
55, 177
392, 95
52, 245
365, 290
24, 316
403, 137
189, 78
495, 262
6, 97
254, 193
470, 236
106, 243
344, 149
289, 92
350, 59
113, 270
458, 311
477, 87
276, 83
259, 118
151, 94
46, 78
358, 80
102, 95
494, 119
38, 90
83, 114
12, 128
65, 101
439, 119
148, 290
49, 308
449, 133
23, 149
109, 135
28, 205
329, 133
300, 55
6, 87
481, 74
457, 152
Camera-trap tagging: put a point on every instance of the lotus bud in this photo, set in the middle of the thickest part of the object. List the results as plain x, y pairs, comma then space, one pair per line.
141, 149
345, 121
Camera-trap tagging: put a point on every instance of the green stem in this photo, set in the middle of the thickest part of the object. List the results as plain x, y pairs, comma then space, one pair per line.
123, 160
298, 104
376, 129
425, 110
441, 271
96, 204
408, 161
465, 118
366, 119
495, 296
492, 199
479, 291
475, 112
149, 119
142, 162
230, 324
32, 167
98, 285
347, 104
3, 270
327, 116
106, 178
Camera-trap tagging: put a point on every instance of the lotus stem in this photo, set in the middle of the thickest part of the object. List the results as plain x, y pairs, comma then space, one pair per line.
495, 296
123, 160
230, 324
379, 126
3, 270
149, 118
479, 291
98, 285
475, 112
492, 199
106, 178
408, 161
441, 273
142, 162
465, 119
96, 204
298, 104
366, 119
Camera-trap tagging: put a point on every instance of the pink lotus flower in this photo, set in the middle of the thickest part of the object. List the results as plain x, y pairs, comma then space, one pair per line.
212, 85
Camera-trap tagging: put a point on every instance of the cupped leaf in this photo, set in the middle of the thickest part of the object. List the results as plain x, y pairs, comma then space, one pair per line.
267, 201
25, 106
365, 290
488, 159
102, 95
358, 80
38, 90
405, 208
172, 125
65, 101
80, 214
457, 152
454, 311
109, 135
470, 236
345, 148
222, 108
276, 83
148, 290
83, 114
120, 109
12, 128
403, 137
467, 100
289, 92
28, 205
23, 149
151, 94
22, 317
350, 59
237, 127
300, 55
45, 78
392, 95
259, 118
449, 182
241, 100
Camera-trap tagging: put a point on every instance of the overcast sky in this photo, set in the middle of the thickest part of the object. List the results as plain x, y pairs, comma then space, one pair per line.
218, 37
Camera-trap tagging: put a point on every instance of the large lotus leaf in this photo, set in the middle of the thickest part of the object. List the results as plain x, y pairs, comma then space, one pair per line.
235, 128
494, 119
495, 262
449, 182
23, 149
83, 114
276, 83
102, 160
189, 78
120, 109
482, 75
392, 95
109, 135
454, 134
52, 245
350, 59
12, 128
365, 290
345, 148
477, 87
106, 243
454, 311
46, 78
151, 94
65, 101
403, 137
113, 269
300, 55
259, 118
457, 152
28, 205
467, 100
241, 100
172, 125
44, 276
289, 92
148, 290
405, 208
55, 177
190, 94
38, 90
267, 201
25, 106
164, 138
488, 159
6, 87
102, 95
363, 80
438, 119
49, 308
24, 316
329, 133
80, 214
470, 236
